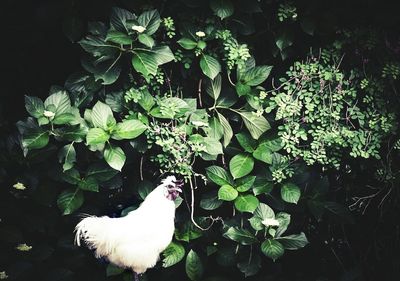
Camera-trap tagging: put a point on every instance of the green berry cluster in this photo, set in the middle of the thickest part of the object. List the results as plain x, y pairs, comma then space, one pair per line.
235, 53
322, 116
287, 11
391, 70
169, 26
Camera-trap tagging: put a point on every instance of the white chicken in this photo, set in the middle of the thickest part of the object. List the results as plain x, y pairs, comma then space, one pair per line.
136, 240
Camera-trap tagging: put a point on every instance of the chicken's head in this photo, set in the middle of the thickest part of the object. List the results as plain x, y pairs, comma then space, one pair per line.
172, 187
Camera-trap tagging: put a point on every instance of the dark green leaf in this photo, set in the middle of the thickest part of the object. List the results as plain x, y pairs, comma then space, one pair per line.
89, 184
100, 171
150, 20
119, 37
215, 130
290, 193
67, 156
113, 270
173, 254
187, 43
242, 236
250, 266
146, 40
119, 18
145, 63
284, 221
257, 75
144, 189
64, 118
294, 241
245, 183
222, 8
71, 176
209, 201
34, 106
219, 176
262, 185
60, 100
70, 200
210, 66
213, 87
246, 142
228, 132
263, 154
35, 138
194, 266
272, 249
256, 125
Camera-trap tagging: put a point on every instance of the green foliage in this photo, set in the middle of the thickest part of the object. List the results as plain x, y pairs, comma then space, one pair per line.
184, 96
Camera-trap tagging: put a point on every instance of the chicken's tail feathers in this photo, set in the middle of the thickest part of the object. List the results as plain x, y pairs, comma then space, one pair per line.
94, 231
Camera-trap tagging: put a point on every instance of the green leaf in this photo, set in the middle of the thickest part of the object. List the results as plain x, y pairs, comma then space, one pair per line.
213, 87
257, 75
128, 129
64, 118
219, 176
145, 63
187, 232
272, 249
163, 54
173, 254
246, 203
263, 154
256, 125
294, 241
242, 89
114, 156
61, 102
262, 185
227, 193
245, 183
209, 201
100, 171
213, 146
222, 8
147, 101
284, 40
187, 43
144, 188
284, 221
102, 116
228, 132
118, 37
96, 136
89, 184
70, 200
71, 176
241, 165
246, 142
290, 193
215, 129
150, 20
250, 267
113, 270
242, 236
146, 40
194, 266
67, 155
264, 211
35, 138
119, 18
210, 66
34, 106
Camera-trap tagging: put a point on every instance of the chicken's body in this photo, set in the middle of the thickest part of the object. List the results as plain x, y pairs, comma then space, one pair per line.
136, 240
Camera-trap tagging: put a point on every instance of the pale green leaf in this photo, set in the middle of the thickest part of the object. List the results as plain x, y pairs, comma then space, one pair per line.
241, 165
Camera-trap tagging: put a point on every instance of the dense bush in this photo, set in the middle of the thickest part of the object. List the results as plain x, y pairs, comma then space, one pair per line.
271, 139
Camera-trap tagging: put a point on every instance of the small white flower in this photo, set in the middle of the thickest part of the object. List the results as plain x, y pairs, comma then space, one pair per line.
19, 186
139, 28
200, 34
48, 114
270, 222
3, 275
23, 247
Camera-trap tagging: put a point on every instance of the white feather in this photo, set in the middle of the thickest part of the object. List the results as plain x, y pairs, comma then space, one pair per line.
136, 240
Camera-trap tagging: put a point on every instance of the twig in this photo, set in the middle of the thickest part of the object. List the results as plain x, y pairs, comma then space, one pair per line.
199, 92
141, 168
